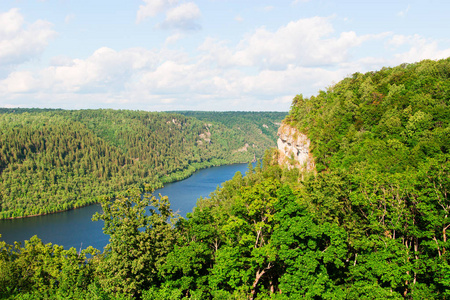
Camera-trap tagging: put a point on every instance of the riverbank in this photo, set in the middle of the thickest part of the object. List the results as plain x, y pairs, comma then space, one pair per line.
162, 181
74, 227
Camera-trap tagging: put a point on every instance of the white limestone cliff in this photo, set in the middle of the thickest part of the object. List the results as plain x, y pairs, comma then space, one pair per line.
293, 148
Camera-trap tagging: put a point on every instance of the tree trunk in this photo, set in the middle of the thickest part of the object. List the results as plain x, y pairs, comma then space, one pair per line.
416, 250
439, 250
258, 276
255, 283
445, 237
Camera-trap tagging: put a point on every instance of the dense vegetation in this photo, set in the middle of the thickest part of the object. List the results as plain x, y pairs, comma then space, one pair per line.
52, 160
372, 223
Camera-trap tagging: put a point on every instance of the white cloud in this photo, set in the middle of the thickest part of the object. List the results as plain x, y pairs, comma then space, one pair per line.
239, 18
61, 61
18, 42
105, 70
18, 82
10, 23
173, 38
416, 48
295, 79
169, 77
306, 42
183, 16
152, 8
178, 15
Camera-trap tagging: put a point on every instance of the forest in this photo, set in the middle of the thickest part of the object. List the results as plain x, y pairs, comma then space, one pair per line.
54, 160
371, 222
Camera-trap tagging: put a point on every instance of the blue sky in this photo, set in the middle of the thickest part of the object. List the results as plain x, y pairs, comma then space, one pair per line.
159, 55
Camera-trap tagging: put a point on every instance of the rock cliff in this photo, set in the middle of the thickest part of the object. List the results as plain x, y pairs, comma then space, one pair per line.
293, 148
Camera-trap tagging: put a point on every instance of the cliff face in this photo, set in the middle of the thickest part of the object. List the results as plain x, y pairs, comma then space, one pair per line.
293, 148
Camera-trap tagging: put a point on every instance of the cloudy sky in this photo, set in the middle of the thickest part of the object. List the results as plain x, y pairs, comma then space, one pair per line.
159, 55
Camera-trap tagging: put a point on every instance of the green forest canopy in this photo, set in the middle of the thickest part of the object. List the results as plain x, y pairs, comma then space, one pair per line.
371, 223
52, 160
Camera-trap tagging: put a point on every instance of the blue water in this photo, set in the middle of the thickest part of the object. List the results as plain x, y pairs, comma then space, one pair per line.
74, 228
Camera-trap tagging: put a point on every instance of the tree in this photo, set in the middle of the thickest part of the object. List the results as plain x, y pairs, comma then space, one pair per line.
140, 238
310, 255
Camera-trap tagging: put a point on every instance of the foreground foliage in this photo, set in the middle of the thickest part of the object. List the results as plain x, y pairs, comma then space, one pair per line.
371, 224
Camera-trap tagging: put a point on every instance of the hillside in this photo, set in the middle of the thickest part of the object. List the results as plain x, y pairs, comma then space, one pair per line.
388, 121
53, 160
380, 143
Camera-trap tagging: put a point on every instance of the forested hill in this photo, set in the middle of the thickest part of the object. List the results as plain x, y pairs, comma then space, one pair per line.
53, 160
374, 222
390, 121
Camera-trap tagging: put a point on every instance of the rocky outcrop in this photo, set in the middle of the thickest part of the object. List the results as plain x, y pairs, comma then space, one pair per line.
204, 137
243, 149
293, 148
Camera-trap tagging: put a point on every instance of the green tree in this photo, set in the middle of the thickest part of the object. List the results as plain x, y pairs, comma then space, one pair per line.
140, 238
310, 254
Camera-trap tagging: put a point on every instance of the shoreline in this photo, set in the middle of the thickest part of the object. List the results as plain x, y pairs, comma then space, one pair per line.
163, 185
49, 213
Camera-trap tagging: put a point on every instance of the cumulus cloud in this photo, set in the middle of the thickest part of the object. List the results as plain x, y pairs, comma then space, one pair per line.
20, 42
152, 7
105, 70
416, 48
183, 16
305, 42
19, 82
178, 15
10, 22
173, 38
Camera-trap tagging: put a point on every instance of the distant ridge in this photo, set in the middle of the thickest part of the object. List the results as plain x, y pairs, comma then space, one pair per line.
53, 159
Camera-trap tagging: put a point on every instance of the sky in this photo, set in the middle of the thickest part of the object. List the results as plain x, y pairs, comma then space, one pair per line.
216, 55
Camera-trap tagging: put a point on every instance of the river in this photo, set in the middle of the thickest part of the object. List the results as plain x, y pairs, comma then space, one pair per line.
75, 228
